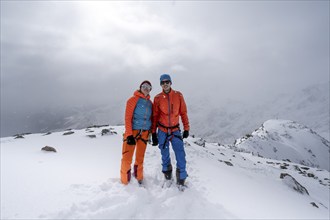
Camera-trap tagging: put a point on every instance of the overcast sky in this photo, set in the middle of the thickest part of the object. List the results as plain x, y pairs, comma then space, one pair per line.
59, 53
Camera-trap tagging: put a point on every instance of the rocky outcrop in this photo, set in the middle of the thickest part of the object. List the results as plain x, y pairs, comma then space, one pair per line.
293, 183
91, 136
49, 149
200, 142
108, 131
97, 126
68, 133
18, 136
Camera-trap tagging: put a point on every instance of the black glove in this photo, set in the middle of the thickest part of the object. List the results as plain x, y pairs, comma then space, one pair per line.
154, 139
185, 134
130, 140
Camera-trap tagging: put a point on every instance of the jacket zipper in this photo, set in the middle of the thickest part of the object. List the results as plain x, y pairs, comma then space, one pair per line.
169, 111
146, 112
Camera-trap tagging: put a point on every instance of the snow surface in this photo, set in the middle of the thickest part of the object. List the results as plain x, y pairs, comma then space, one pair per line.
81, 181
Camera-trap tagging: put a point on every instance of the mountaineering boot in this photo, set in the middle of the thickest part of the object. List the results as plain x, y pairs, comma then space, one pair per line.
178, 180
135, 171
129, 175
181, 182
168, 172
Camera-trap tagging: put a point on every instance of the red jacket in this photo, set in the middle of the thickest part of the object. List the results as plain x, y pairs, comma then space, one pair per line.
166, 111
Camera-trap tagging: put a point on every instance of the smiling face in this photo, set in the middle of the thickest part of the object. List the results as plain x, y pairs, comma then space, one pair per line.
146, 88
166, 85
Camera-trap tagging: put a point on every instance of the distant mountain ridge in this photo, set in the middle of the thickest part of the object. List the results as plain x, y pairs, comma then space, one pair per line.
215, 120
228, 121
287, 140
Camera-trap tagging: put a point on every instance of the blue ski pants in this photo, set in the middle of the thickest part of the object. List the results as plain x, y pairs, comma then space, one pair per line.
178, 148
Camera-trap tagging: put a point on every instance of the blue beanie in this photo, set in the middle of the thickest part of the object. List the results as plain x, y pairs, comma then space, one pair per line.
165, 77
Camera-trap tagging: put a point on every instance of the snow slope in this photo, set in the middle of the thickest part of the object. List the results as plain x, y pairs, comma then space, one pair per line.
81, 181
288, 140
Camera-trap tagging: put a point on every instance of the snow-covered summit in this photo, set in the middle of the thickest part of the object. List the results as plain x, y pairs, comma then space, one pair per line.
287, 140
81, 181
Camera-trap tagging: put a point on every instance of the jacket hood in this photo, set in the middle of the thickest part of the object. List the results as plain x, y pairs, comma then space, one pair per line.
141, 95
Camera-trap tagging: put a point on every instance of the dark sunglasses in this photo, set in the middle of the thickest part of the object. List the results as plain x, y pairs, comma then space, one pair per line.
165, 82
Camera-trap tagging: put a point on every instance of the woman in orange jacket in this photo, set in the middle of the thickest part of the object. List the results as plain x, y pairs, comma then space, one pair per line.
137, 126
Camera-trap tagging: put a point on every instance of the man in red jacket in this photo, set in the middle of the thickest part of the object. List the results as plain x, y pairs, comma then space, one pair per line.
168, 106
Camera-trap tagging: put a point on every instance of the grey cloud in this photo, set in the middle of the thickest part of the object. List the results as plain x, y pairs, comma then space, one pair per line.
89, 53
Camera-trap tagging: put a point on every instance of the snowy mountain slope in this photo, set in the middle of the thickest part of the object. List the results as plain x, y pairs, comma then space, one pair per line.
228, 120
288, 140
81, 180
310, 106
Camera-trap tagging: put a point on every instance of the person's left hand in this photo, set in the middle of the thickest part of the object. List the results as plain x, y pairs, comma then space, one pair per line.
185, 134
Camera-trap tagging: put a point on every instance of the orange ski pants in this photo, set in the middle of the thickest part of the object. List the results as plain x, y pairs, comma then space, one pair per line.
127, 156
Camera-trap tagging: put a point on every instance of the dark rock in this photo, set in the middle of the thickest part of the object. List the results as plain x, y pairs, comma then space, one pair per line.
304, 168
186, 143
248, 136
313, 204
48, 133
108, 131
310, 175
259, 155
283, 167
48, 148
293, 183
228, 163
105, 131
91, 136
97, 126
22, 134
297, 168
68, 133
200, 142
283, 175
18, 136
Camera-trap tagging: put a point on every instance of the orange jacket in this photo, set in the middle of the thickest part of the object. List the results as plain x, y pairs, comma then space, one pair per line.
166, 110
129, 112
